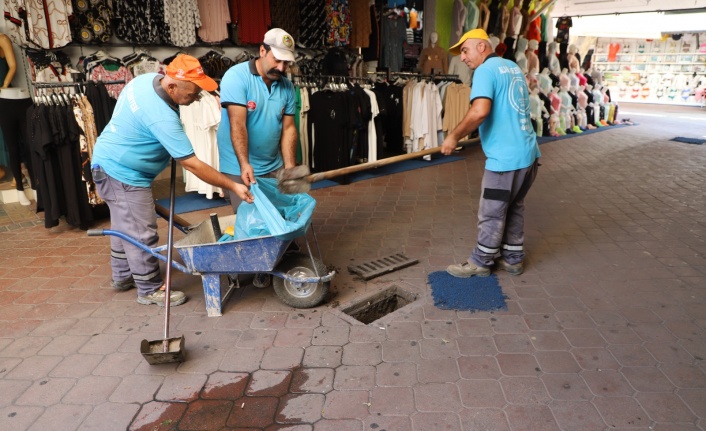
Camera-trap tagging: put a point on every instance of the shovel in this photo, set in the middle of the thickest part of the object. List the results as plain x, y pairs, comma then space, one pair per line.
168, 349
298, 179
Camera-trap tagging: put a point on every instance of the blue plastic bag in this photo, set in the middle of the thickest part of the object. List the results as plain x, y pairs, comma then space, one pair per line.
283, 216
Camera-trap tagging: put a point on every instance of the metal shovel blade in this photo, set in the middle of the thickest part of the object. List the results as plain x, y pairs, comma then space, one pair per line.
155, 352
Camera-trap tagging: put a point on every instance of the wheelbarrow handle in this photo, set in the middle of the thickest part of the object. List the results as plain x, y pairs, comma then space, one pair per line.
153, 251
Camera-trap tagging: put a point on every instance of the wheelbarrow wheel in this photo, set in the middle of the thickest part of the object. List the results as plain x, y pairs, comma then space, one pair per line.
301, 295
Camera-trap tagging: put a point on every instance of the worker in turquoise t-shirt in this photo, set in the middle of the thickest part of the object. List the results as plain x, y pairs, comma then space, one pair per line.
143, 134
500, 110
257, 135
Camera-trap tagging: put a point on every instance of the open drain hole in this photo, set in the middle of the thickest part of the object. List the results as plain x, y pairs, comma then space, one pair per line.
377, 305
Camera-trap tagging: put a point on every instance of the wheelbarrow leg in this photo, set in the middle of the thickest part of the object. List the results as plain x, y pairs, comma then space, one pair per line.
212, 293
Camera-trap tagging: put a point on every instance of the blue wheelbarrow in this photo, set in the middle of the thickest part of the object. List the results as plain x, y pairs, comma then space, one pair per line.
299, 280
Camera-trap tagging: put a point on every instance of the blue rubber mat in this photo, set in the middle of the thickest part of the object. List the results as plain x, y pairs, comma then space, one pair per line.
466, 294
192, 202
394, 168
695, 141
546, 139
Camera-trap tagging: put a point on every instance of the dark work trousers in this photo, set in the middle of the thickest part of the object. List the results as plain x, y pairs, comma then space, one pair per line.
501, 216
13, 124
131, 212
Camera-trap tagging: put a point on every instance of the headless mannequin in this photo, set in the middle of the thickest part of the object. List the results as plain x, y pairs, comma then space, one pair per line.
515, 22
582, 104
520, 56
556, 127
14, 103
532, 59
554, 65
502, 20
484, 15
538, 112
572, 57
433, 57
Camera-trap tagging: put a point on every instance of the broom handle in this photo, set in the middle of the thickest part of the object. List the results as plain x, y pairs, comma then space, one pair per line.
379, 163
170, 241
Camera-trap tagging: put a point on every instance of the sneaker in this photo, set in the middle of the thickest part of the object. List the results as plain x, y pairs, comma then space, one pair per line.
515, 269
467, 269
123, 285
262, 280
159, 296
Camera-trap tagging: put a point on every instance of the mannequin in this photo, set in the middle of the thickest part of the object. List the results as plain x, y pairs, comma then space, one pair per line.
515, 23
538, 112
573, 57
494, 42
472, 16
583, 105
567, 108
484, 15
14, 102
597, 101
544, 81
503, 20
434, 58
554, 66
459, 68
520, 56
556, 112
532, 58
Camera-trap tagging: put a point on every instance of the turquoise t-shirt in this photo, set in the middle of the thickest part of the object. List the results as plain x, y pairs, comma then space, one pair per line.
242, 85
506, 134
143, 134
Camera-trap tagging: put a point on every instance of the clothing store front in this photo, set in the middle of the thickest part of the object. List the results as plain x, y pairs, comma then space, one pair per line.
370, 63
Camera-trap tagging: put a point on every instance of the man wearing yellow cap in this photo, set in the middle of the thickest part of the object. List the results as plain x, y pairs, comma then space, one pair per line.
500, 111
136, 145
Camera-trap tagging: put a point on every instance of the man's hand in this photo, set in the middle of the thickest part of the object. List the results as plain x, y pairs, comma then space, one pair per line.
449, 145
247, 174
243, 193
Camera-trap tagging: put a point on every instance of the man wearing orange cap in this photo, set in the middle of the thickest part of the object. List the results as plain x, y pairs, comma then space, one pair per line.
500, 110
144, 133
257, 135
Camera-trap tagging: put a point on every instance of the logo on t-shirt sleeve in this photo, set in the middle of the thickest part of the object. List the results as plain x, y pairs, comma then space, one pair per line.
251, 105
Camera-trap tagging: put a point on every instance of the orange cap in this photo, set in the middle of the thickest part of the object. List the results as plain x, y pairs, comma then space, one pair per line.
187, 68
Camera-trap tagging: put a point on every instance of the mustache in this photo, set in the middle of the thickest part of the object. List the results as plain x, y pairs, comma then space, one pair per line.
275, 72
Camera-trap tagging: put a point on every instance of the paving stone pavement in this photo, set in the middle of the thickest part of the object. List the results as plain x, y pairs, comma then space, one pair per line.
605, 330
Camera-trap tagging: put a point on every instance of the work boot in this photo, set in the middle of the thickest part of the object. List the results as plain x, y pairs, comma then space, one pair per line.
262, 280
159, 296
515, 269
123, 285
467, 269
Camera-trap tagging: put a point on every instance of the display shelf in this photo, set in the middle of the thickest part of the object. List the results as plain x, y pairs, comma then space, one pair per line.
654, 69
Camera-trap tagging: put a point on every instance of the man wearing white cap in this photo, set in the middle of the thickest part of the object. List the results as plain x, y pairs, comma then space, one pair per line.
500, 112
257, 135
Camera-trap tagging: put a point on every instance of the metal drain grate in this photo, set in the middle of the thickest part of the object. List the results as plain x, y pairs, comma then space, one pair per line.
374, 268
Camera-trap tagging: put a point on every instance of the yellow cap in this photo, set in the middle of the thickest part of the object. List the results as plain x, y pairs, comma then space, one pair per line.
477, 33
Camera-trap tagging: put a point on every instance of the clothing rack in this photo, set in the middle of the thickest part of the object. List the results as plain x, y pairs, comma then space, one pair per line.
414, 75
38, 85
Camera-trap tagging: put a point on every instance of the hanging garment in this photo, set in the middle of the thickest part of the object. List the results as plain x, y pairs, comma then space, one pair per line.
141, 22
215, 17
285, 15
182, 17
252, 18
338, 23
393, 38
312, 23
200, 120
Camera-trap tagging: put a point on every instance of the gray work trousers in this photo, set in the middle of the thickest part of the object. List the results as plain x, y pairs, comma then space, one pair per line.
131, 212
501, 216
233, 198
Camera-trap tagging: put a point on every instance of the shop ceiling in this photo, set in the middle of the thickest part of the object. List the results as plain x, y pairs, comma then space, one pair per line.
647, 19
603, 7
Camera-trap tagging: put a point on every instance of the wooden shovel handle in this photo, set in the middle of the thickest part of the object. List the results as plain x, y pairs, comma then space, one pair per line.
379, 163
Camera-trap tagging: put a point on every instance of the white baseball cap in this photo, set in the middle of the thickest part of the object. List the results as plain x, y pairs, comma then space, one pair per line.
282, 44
